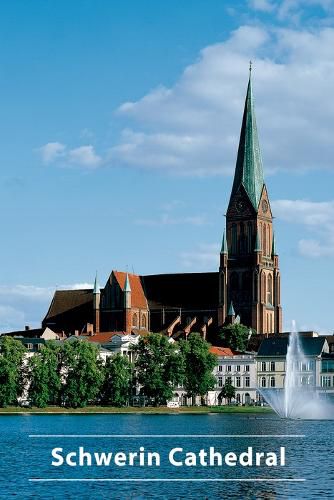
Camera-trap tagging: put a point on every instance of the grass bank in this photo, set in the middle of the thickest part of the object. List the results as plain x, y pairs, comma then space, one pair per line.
14, 410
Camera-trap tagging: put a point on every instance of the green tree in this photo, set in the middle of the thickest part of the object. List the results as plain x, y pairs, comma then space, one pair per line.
11, 369
227, 392
199, 364
235, 336
83, 373
159, 367
44, 376
117, 380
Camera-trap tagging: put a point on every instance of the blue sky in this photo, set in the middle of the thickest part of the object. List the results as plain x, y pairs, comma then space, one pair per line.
119, 129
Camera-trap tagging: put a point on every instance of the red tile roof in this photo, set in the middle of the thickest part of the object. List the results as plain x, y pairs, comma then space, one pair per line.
103, 337
138, 298
221, 351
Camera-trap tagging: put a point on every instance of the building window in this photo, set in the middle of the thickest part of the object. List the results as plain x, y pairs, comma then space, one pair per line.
220, 381
272, 366
263, 366
228, 380
220, 368
325, 381
238, 368
135, 320
270, 289
229, 368
263, 381
272, 382
247, 368
238, 382
234, 239
238, 398
247, 381
143, 321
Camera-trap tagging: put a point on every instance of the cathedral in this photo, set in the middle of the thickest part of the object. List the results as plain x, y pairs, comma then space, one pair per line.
245, 289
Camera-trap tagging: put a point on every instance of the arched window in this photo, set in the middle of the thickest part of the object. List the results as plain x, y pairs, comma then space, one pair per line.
250, 237
264, 240
143, 321
238, 398
270, 289
272, 382
234, 238
263, 381
263, 291
242, 239
234, 281
135, 320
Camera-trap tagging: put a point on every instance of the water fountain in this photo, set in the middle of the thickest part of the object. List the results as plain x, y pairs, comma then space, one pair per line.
297, 400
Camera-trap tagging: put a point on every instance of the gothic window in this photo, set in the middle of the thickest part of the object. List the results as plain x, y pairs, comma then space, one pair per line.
143, 321
250, 237
247, 285
135, 320
270, 289
263, 283
242, 239
234, 239
234, 281
264, 239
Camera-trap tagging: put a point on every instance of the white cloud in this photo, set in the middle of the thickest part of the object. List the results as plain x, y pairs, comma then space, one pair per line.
83, 156
193, 127
204, 257
52, 151
262, 5
317, 217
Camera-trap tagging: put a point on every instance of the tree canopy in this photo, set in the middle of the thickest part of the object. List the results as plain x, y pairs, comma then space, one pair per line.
198, 365
235, 336
11, 370
117, 380
159, 367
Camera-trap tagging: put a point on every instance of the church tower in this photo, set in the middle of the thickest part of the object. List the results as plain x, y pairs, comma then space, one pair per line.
249, 274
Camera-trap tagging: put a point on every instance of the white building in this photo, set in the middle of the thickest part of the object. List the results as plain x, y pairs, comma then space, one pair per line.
238, 369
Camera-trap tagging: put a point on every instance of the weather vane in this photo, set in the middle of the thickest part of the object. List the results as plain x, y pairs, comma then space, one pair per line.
250, 66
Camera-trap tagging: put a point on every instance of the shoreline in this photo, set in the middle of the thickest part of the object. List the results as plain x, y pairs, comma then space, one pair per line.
163, 410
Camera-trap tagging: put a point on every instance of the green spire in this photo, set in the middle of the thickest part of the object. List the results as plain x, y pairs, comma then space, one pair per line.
224, 245
273, 247
96, 286
127, 287
231, 311
257, 247
248, 170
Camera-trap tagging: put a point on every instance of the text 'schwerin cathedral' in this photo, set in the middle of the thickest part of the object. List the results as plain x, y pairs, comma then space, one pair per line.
247, 284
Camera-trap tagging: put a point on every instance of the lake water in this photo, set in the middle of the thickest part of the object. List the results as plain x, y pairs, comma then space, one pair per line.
23, 457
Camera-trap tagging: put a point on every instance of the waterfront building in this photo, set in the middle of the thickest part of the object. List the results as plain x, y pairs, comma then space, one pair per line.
314, 370
237, 369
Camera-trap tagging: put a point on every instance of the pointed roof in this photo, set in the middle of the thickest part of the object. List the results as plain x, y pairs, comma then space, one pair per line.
248, 170
127, 287
224, 245
257, 247
273, 247
96, 286
231, 311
